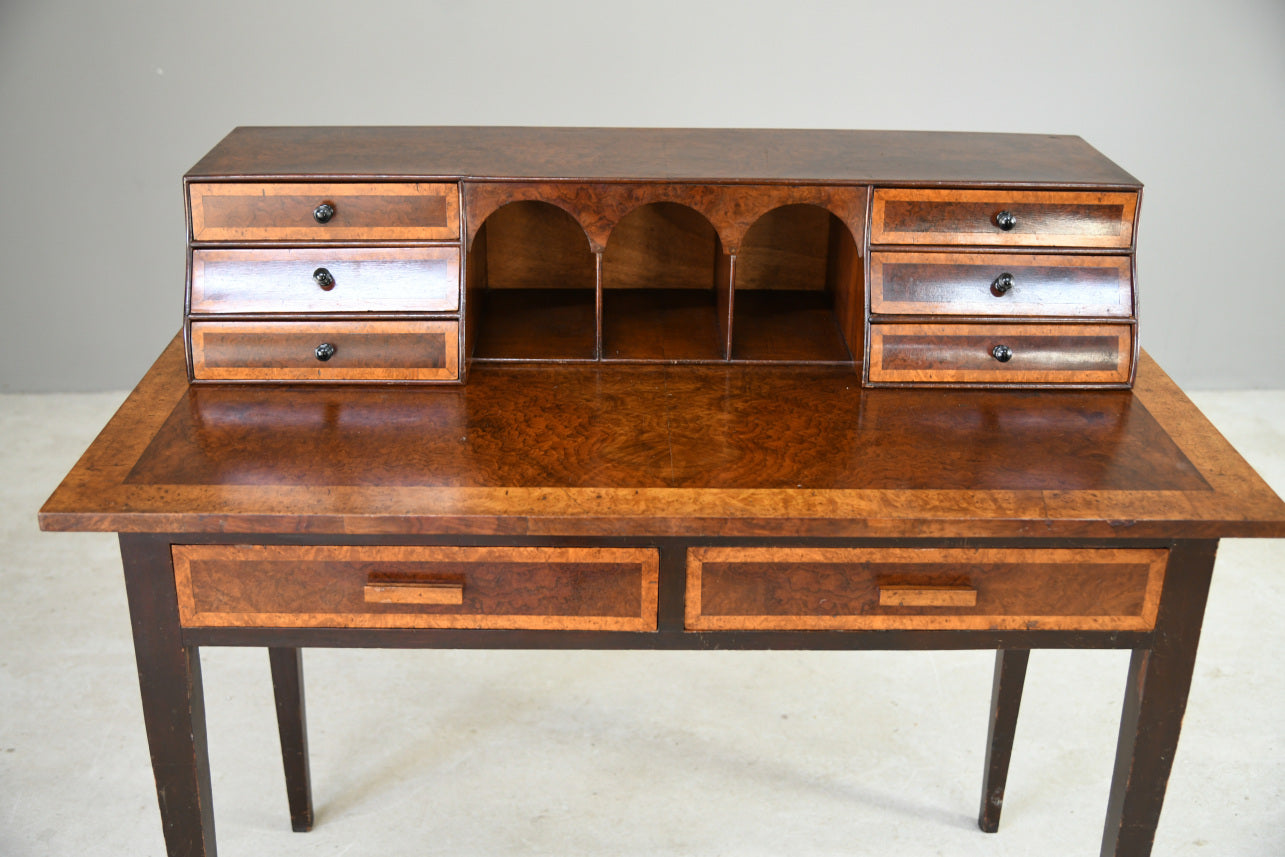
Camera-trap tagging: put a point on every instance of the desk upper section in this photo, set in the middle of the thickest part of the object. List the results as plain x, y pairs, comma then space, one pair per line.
922, 158
407, 255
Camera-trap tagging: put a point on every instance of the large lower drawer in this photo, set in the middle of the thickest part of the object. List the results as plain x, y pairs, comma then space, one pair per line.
336, 211
1086, 354
293, 586
1003, 218
738, 588
334, 279
1001, 284
325, 350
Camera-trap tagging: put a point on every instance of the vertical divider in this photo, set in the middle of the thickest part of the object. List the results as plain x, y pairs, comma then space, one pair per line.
847, 286
725, 297
475, 285
597, 304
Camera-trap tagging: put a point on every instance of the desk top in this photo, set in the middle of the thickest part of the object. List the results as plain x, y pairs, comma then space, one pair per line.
658, 450
923, 158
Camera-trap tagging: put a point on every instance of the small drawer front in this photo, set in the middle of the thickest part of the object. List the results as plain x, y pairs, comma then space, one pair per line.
394, 279
1002, 284
1003, 218
1001, 353
850, 589
292, 586
283, 211
325, 351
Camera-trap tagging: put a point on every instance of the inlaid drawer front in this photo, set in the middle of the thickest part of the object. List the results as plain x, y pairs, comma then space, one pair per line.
325, 351
285, 211
1001, 353
1000, 284
394, 279
848, 589
1003, 218
293, 586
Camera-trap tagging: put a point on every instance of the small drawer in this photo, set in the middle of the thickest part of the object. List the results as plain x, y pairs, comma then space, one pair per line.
283, 211
293, 586
1097, 354
325, 351
1003, 218
393, 279
850, 589
1003, 284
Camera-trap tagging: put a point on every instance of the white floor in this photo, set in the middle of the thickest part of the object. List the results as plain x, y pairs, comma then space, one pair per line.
633, 753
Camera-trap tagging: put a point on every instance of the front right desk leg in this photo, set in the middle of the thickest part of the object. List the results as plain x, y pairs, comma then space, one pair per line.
169, 677
1154, 702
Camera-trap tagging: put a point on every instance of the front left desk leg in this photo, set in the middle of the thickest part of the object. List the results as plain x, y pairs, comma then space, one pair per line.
1154, 702
169, 678
1006, 698
292, 724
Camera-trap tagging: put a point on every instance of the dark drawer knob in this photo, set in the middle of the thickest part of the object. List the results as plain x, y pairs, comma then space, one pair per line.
1003, 284
326, 280
1002, 353
325, 351
323, 212
1005, 220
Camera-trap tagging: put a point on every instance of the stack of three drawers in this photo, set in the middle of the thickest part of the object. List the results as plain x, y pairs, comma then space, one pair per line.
340, 281
1002, 287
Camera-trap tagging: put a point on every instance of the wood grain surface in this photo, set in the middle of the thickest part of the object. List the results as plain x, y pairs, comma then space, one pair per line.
287, 350
536, 324
732, 209
963, 353
669, 154
919, 283
283, 211
281, 280
745, 451
1044, 218
293, 586
734, 588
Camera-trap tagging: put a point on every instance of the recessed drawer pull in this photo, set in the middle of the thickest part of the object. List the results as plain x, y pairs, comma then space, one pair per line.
927, 596
1003, 284
415, 592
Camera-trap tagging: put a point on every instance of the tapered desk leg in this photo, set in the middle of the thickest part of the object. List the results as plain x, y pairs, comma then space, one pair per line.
1154, 702
287, 688
169, 677
1006, 698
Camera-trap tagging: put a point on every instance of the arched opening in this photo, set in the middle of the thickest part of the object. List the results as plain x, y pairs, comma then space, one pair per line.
665, 287
798, 289
532, 283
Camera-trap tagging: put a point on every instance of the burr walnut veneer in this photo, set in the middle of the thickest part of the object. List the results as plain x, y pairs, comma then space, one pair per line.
723, 390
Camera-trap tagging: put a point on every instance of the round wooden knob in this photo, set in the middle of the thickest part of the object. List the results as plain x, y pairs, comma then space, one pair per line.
325, 351
1005, 220
1002, 353
1003, 284
324, 278
323, 212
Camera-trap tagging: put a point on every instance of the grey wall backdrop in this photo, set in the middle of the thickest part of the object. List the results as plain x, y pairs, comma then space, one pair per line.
104, 105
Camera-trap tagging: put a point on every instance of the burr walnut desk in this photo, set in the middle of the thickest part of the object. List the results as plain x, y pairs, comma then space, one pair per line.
558, 388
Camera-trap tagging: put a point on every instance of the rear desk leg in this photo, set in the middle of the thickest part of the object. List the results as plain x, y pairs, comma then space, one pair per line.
169, 677
1006, 698
287, 688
